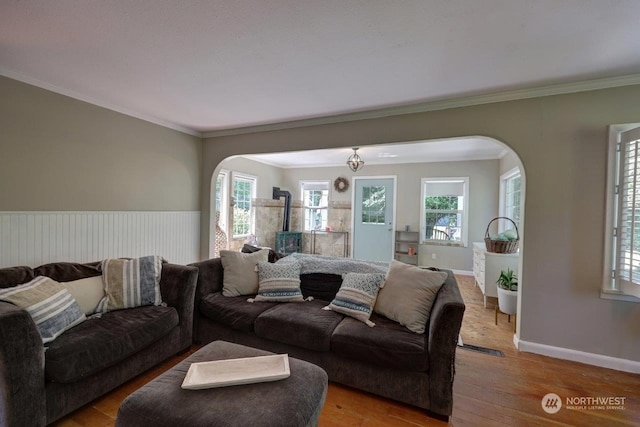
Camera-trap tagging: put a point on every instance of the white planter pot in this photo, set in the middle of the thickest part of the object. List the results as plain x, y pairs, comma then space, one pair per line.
507, 301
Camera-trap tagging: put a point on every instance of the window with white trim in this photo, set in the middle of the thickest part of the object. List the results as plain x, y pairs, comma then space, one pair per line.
244, 190
510, 198
315, 204
222, 198
623, 212
444, 210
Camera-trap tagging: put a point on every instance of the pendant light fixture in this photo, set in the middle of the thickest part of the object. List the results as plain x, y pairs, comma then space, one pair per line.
354, 162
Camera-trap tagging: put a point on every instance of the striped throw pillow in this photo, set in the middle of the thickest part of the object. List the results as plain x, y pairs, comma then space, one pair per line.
49, 303
130, 283
357, 295
278, 282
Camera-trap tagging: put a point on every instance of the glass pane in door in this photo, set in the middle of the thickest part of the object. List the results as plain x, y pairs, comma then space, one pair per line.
373, 205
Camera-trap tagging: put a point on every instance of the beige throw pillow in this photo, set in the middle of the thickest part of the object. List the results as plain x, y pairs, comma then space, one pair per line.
408, 295
241, 272
88, 292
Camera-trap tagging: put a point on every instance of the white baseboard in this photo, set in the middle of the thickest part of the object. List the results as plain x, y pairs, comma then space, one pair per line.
578, 356
463, 272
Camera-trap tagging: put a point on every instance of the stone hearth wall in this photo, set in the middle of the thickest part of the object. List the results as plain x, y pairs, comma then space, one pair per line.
269, 217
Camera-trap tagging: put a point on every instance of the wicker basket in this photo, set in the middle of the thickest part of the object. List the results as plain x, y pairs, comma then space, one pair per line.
501, 246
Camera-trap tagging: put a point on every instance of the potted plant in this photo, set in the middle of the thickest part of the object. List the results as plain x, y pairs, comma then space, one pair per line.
508, 291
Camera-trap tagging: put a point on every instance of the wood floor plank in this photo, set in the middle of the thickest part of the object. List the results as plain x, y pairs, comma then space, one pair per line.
488, 390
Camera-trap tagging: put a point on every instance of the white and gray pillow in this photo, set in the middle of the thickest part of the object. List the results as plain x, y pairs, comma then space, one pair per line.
130, 283
278, 282
357, 295
49, 303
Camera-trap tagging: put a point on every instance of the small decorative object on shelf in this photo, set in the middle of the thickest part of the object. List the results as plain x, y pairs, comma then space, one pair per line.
407, 246
503, 243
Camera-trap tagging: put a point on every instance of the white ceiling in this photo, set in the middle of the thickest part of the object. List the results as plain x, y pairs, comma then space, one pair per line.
210, 65
444, 150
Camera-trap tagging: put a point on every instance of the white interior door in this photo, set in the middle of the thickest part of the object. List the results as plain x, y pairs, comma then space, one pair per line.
373, 211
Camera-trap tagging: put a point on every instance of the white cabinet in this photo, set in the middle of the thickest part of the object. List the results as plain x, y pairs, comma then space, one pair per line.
407, 243
487, 267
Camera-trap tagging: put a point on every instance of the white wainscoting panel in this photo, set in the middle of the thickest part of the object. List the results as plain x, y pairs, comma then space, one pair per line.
36, 238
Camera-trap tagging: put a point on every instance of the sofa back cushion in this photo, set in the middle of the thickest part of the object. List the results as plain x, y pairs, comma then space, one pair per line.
67, 271
320, 286
88, 292
12, 276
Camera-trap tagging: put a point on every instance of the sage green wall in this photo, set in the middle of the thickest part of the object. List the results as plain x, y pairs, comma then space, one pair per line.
61, 154
561, 141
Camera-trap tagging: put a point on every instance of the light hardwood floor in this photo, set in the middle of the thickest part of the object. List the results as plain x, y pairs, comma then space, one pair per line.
488, 390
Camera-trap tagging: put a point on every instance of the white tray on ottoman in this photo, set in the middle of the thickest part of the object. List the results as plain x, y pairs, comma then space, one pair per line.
245, 370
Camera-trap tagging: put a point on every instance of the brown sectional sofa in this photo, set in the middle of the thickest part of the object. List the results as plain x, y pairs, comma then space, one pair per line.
387, 360
38, 387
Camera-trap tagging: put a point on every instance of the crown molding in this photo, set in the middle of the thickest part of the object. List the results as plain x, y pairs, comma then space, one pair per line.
80, 97
443, 104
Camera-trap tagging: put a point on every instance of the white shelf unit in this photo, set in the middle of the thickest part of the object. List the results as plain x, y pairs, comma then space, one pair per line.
487, 267
404, 241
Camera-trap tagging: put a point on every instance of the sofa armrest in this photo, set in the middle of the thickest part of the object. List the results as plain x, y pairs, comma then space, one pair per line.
22, 395
444, 328
178, 287
210, 274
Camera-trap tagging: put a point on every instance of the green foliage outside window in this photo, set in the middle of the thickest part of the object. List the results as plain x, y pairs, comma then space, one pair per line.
242, 207
374, 204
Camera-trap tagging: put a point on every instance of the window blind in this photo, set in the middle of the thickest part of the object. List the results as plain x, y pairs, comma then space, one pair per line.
627, 233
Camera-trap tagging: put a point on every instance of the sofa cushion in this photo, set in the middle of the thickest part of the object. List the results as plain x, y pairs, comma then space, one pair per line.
240, 275
233, 312
278, 283
102, 342
88, 292
130, 283
273, 255
67, 271
408, 295
50, 305
12, 276
389, 344
322, 286
303, 325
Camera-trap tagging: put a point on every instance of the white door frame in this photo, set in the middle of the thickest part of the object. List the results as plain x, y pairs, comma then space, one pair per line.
353, 209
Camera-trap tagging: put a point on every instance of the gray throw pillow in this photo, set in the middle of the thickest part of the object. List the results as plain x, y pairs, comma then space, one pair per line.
408, 295
278, 282
357, 295
240, 275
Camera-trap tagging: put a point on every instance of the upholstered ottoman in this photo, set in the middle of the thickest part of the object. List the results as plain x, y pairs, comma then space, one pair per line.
294, 401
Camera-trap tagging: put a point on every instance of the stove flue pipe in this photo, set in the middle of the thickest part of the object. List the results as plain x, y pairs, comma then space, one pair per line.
277, 194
